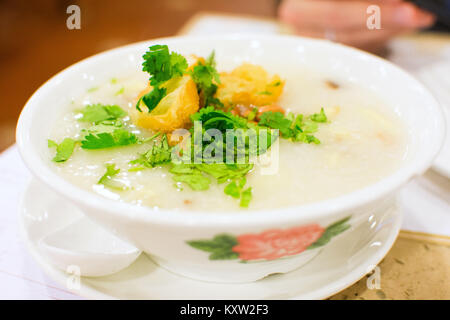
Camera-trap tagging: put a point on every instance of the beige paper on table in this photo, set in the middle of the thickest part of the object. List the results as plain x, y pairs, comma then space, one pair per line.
417, 267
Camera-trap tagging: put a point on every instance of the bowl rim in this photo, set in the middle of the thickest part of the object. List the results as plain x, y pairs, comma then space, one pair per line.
308, 212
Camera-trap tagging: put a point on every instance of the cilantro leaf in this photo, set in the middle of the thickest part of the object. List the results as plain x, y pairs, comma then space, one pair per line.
206, 78
162, 66
63, 150
178, 64
98, 141
276, 120
111, 171
319, 117
159, 154
108, 178
92, 89
212, 118
294, 127
217, 119
51, 143
225, 172
157, 63
196, 181
120, 91
246, 197
118, 137
192, 174
252, 115
211, 60
152, 98
103, 127
235, 189
97, 113
309, 126
183, 168
232, 190
189, 174
203, 75
306, 138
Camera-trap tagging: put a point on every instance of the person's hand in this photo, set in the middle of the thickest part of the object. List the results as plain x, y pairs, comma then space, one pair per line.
345, 21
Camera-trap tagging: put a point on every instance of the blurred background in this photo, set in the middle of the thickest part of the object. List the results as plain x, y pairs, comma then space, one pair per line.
35, 42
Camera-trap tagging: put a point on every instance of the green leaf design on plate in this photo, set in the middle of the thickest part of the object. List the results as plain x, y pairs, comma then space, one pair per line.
220, 247
330, 232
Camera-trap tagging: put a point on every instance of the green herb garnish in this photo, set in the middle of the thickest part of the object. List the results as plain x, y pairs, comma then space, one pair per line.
294, 127
207, 78
92, 89
212, 118
276, 120
225, 172
246, 197
190, 175
196, 181
108, 178
319, 117
120, 91
63, 150
159, 154
235, 189
152, 98
162, 66
194, 176
118, 137
51, 144
97, 113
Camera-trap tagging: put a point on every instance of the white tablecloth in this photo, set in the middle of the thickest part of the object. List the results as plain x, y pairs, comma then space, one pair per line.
20, 276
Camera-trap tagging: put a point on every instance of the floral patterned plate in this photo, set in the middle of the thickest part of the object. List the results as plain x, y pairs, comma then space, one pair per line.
339, 265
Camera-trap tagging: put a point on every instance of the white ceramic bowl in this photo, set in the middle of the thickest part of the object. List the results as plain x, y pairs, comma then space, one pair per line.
283, 233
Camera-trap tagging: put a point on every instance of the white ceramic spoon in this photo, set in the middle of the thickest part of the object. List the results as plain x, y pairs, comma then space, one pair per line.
87, 249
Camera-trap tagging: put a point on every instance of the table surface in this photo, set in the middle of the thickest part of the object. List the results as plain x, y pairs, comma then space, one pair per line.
425, 202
